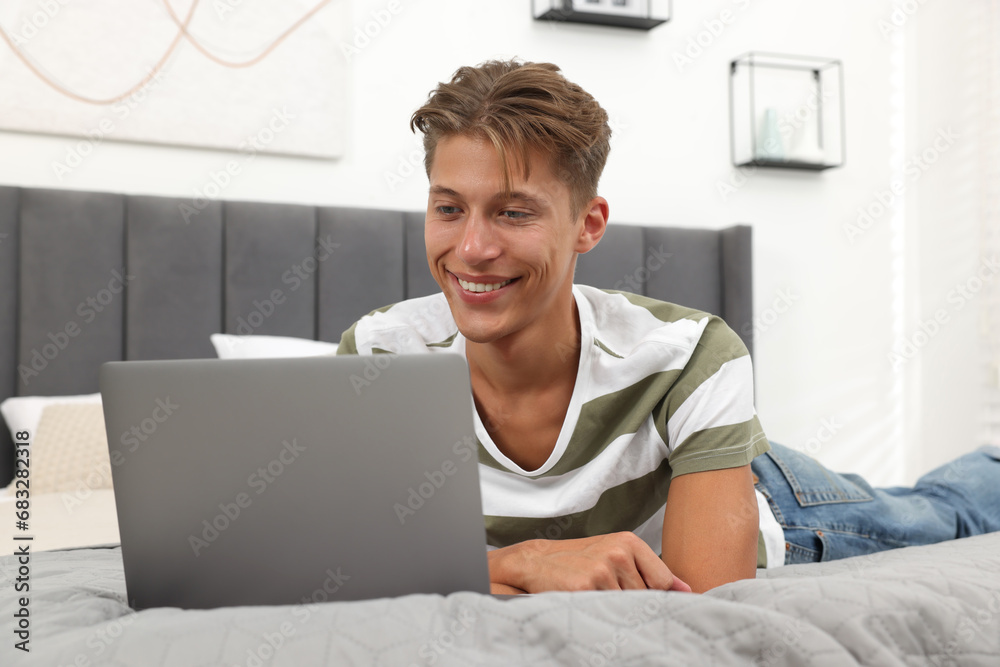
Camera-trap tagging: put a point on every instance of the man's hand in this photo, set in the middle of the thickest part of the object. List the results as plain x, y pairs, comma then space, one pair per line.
618, 561
504, 589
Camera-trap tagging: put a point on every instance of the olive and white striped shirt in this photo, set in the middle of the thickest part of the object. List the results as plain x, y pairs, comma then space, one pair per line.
661, 391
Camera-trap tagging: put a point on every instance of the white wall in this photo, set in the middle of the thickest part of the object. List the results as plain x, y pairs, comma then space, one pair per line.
824, 361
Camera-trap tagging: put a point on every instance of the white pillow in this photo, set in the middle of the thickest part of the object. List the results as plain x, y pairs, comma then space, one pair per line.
23, 413
228, 346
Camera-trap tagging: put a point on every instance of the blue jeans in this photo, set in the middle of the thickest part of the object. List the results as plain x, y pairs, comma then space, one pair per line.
826, 515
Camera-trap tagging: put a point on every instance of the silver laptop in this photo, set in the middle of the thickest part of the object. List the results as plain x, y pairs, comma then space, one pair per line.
281, 481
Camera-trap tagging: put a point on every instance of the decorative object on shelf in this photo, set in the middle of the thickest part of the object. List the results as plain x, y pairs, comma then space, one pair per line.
769, 145
786, 111
639, 14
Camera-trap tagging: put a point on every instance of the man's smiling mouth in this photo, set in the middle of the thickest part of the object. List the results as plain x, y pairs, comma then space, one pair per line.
483, 287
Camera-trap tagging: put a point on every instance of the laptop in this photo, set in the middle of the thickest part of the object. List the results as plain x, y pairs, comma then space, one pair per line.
286, 481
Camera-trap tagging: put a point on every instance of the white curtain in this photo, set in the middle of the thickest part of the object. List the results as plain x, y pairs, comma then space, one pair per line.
988, 62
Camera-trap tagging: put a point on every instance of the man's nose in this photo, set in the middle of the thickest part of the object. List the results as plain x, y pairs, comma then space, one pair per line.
478, 242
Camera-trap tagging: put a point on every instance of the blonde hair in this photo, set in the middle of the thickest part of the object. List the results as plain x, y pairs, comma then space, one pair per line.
518, 107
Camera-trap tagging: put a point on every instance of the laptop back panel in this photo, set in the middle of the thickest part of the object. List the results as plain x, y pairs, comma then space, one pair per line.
279, 481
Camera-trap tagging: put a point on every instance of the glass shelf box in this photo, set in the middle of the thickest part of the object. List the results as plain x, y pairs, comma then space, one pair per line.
786, 111
639, 14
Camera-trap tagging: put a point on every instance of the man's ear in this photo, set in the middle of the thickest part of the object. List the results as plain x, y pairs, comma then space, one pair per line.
595, 221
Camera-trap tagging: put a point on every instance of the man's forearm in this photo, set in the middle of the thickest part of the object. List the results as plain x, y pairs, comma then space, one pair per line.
710, 528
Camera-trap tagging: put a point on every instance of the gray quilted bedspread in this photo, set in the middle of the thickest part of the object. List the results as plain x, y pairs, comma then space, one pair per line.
936, 605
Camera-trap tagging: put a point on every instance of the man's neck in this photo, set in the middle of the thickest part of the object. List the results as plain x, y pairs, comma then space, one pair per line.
540, 357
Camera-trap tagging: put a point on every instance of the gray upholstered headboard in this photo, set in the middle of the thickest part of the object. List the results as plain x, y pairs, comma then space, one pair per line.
90, 277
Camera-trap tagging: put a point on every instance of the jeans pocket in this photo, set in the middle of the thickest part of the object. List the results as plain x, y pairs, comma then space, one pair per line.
803, 546
814, 484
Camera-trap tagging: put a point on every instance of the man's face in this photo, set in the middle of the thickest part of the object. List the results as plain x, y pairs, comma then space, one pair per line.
505, 264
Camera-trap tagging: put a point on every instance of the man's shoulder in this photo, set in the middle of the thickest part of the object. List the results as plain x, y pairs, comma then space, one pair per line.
628, 321
410, 326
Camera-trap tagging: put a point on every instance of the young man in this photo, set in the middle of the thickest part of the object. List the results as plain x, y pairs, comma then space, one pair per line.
616, 432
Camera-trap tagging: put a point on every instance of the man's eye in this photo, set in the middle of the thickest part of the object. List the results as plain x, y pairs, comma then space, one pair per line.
514, 215
447, 210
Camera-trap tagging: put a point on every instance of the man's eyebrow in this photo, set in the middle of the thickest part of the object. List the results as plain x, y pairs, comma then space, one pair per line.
524, 197
441, 190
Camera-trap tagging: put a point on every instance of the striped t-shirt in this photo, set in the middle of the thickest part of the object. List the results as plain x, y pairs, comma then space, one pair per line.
661, 391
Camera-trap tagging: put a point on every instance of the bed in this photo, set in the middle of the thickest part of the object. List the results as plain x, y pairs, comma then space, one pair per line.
90, 277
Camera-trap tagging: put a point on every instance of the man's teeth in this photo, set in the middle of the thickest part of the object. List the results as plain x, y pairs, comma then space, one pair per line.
482, 287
